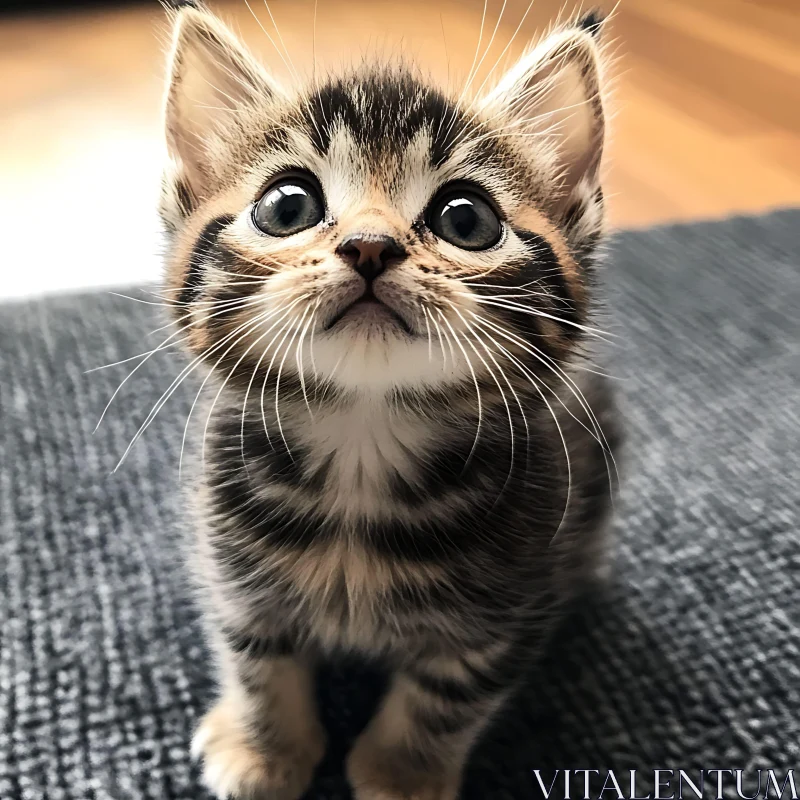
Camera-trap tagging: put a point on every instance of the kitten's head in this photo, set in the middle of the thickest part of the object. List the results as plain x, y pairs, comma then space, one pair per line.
372, 231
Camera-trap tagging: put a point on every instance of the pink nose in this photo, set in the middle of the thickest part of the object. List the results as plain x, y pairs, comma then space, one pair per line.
369, 255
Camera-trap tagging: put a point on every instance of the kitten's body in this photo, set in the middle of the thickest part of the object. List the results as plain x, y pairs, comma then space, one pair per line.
372, 505
420, 477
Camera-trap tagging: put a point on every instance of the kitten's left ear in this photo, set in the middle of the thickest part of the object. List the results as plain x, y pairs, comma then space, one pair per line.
554, 90
211, 79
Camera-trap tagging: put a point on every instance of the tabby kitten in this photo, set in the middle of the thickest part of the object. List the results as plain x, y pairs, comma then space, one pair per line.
390, 289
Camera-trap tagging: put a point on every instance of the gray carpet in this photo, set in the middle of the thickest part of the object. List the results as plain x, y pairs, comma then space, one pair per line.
689, 659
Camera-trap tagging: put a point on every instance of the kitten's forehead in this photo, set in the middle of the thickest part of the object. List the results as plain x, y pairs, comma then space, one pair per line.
396, 179
384, 110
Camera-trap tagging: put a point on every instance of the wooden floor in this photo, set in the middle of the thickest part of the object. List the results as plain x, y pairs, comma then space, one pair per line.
707, 102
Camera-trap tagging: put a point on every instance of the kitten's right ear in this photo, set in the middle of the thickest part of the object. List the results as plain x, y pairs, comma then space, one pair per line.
211, 79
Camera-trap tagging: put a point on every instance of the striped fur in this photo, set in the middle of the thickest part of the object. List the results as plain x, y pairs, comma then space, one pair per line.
429, 485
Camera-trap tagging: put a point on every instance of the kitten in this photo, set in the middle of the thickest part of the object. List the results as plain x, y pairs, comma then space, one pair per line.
391, 288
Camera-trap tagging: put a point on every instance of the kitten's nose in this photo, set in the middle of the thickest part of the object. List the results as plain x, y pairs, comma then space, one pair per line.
369, 255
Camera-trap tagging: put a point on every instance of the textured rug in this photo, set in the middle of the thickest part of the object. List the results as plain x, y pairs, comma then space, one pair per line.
689, 659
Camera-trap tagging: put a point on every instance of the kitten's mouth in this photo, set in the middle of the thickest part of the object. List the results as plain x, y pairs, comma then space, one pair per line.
370, 307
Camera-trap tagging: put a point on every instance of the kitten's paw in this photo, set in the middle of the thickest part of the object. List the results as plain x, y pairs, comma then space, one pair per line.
388, 774
234, 766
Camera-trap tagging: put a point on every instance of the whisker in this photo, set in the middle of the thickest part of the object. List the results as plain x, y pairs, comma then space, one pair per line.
534, 282
130, 375
284, 312
553, 367
505, 49
299, 361
527, 295
441, 343
138, 300
477, 388
209, 285
147, 357
573, 388
483, 58
280, 39
227, 307
535, 312
247, 303
469, 75
260, 318
285, 330
133, 358
500, 389
291, 69
255, 371
314, 370
526, 373
272, 264
173, 386
257, 322
278, 383
428, 329
314, 80
199, 304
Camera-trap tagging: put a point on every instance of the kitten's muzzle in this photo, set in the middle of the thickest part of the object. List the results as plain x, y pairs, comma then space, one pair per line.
370, 255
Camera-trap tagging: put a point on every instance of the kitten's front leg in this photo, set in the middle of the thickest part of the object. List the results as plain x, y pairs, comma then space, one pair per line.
262, 739
417, 745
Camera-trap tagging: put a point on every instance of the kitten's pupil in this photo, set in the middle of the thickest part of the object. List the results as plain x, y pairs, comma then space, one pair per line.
290, 208
464, 219
288, 202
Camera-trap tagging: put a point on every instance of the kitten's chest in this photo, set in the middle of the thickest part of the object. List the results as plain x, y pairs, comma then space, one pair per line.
345, 594
363, 452
347, 583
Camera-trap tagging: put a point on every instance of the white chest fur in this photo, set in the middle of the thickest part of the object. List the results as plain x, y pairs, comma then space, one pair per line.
366, 444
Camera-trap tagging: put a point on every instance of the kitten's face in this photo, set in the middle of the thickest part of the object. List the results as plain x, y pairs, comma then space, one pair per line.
371, 231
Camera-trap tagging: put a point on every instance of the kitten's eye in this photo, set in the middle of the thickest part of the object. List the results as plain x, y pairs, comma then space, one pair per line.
465, 219
289, 206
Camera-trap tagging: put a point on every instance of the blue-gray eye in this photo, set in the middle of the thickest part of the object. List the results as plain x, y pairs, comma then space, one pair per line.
289, 206
466, 219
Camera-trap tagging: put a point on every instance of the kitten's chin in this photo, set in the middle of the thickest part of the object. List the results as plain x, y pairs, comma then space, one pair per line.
369, 317
366, 353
